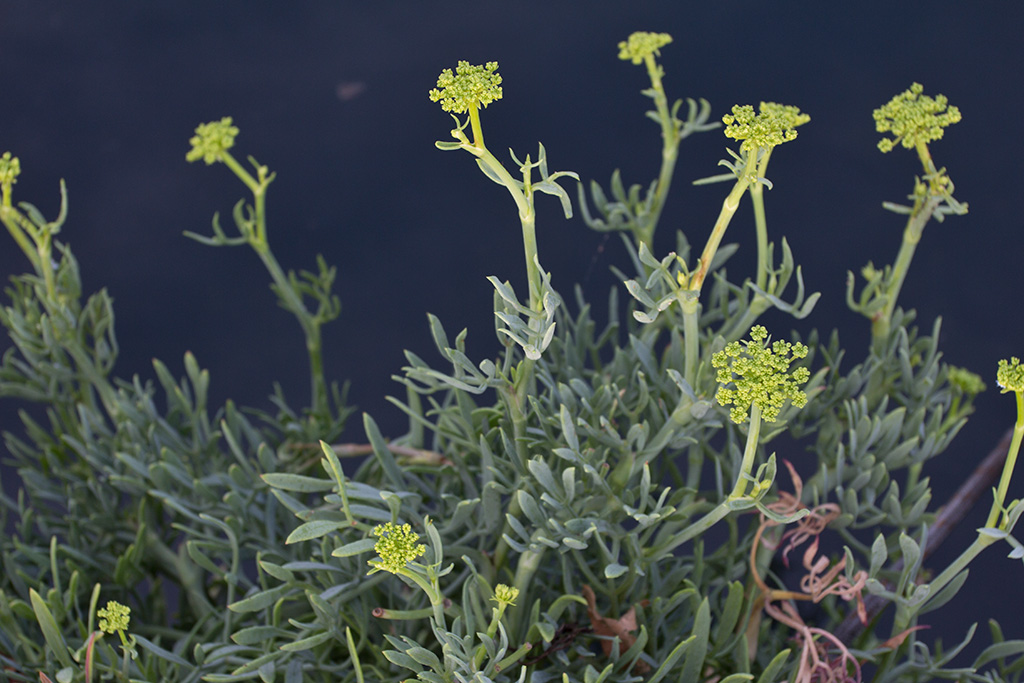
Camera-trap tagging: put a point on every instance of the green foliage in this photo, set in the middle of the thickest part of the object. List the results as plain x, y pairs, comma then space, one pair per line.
545, 517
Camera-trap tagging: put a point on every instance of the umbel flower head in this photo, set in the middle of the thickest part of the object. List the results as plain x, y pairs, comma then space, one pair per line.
642, 44
760, 375
10, 168
469, 87
212, 140
1010, 375
965, 381
771, 126
914, 118
505, 595
114, 617
397, 546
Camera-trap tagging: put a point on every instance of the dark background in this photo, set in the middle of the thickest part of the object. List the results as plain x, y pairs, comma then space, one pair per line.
333, 97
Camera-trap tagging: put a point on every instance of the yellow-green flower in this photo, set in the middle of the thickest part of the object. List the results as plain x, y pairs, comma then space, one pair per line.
397, 546
1010, 375
212, 140
114, 617
10, 168
759, 375
505, 595
967, 382
643, 44
771, 126
914, 118
471, 86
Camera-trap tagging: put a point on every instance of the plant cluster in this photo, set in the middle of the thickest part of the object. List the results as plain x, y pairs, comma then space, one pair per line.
597, 502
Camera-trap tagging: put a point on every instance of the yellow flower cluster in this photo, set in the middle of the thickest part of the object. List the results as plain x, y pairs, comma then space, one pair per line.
114, 617
642, 44
470, 86
914, 118
505, 595
212, 140
966, 381
1010, 375
771, 126
397, 546
760, 375
10, 168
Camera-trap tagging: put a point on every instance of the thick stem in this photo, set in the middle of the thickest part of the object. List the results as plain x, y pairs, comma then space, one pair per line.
749, 452
690, 303
669, 154
729, 206
1011, 460
721, 511
760, 223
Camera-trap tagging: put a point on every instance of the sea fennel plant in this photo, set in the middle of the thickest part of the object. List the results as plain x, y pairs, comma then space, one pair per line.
592, 503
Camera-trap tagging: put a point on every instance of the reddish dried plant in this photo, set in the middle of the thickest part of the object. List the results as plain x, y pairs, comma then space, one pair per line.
823, 657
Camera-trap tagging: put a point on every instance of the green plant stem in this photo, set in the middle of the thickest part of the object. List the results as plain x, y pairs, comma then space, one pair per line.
523, 202
689, 301
760, 223
749, 452
529, 562
925, 203
904, 614
36, 241
256, 236
759, 303
689, 296
669, 154
1011, 459
729, 206
721, 511
429, 585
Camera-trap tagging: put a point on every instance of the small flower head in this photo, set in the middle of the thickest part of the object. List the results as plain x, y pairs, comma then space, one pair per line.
771, 126
397, 546
1010, 375
505, 595
914, 118
642, 44
469, 87
114, 617
10, 168
760, 375
965, 381
212, 140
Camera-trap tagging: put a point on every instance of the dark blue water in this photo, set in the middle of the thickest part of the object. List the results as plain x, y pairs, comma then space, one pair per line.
332, 96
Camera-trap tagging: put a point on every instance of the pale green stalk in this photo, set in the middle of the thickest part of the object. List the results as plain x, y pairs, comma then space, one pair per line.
669, 154
749, 451
759, 304
722, 510
924, 206
1011, 460
904, 614
258, 241
527, 216
689, 296
529, 563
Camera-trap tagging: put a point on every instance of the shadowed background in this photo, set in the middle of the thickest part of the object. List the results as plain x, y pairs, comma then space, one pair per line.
332, 96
